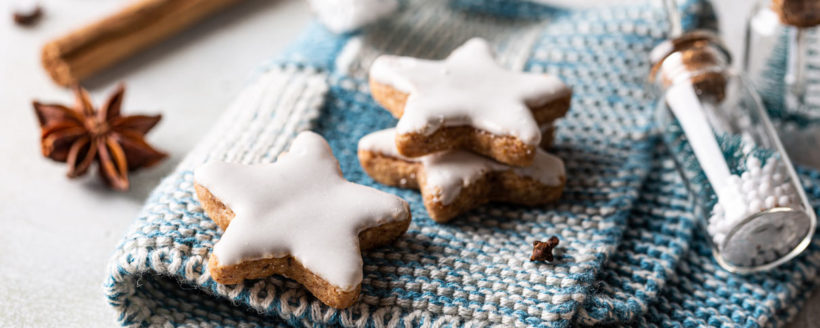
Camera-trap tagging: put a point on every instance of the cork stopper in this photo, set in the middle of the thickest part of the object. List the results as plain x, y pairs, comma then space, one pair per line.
696, 57
799, 13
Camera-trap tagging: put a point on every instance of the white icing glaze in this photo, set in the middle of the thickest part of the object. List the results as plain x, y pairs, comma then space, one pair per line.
300, 205
342, 16
467, 88
447, 172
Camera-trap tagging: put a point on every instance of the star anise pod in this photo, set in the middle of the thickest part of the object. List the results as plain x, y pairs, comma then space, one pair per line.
81, 135
542, 250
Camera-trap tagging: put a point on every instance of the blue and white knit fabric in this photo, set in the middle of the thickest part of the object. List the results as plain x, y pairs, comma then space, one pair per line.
630, 251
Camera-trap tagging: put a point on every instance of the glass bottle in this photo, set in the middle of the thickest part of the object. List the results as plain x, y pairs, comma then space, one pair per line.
780, 57
744, 187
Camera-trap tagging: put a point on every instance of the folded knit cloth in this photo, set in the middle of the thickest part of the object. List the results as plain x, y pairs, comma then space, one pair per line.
630, 253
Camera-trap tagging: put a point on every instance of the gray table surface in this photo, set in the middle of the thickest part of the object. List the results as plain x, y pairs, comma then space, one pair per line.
58, 234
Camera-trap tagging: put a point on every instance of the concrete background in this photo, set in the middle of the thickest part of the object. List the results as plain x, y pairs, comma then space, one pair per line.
59, 233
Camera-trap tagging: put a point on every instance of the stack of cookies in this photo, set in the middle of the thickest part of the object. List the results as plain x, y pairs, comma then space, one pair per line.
469, 131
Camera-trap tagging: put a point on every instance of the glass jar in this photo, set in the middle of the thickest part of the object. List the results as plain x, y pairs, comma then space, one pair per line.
744, 187
780, 57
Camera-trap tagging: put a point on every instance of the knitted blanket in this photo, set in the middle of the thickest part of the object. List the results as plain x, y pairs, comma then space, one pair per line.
630, 252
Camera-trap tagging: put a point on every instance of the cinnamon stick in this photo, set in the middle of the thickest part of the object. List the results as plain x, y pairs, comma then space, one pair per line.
87, 50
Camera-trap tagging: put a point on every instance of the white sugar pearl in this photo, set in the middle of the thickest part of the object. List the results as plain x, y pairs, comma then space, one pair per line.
754, 205
769, 202
754, 170
764, 188
773, 183
748, 185
759, 188
769, 168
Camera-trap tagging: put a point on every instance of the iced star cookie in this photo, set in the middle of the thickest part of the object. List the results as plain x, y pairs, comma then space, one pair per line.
467, 101
453, 182
547, 136
299, 218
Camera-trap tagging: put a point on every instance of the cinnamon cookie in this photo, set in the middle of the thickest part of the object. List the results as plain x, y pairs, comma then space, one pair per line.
453, 182
467, 101
547, 135
299, 218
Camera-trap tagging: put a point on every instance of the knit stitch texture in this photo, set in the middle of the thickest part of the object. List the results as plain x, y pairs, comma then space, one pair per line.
630, 252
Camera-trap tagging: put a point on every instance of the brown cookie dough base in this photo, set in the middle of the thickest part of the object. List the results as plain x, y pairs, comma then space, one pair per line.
547, 136
500, 186
505, 149
288, 266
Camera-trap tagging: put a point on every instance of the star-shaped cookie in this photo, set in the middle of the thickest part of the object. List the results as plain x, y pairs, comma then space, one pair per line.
453, 182
467, 101
299, 218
